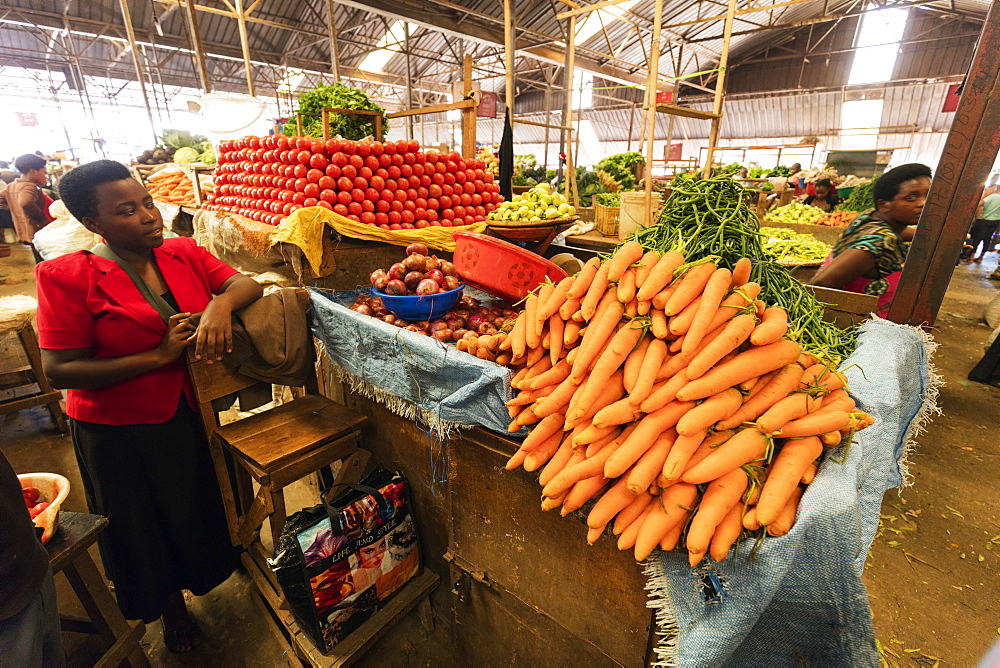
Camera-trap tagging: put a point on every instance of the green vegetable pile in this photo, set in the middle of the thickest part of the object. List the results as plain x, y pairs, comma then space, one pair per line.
756, 172
710, 217
732, 168
789, 247
621, 168
861, 199
588, 184
609, 199
796, 212
348, 126
780, 170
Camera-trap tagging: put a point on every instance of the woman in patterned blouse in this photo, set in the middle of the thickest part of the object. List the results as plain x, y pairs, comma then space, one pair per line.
870, 254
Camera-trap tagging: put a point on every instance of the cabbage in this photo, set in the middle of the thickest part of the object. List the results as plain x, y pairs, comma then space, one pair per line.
184, 156
208, 156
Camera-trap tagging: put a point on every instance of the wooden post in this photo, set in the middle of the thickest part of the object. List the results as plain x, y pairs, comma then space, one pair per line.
127, 17
409, 79
968, 155
195, 37
568, 77
508, 47
241, 19
720, 88
650, 106
469, 114
334, 55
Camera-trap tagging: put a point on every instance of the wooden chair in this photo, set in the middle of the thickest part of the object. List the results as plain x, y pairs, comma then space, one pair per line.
29, 376
273, 448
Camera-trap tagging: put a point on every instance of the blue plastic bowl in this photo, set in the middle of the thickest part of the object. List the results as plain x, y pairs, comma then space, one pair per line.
420, 307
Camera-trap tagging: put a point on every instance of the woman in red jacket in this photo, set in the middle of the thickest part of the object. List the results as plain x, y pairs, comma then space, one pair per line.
140, 445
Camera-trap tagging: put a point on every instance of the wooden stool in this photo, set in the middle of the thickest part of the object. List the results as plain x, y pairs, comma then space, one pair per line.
31, 374
68, 553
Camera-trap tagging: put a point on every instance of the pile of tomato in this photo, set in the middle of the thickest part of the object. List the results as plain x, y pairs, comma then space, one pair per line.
393, 185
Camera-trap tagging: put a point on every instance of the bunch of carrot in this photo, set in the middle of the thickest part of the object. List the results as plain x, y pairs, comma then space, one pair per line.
668, 390
174, 187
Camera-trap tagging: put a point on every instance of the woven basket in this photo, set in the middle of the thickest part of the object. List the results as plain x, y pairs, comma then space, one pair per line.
533, 223
606, 219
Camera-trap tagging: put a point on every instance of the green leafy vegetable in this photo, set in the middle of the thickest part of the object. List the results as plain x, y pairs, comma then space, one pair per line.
184, 139
621, 168
609, 199
861, 198
348, 126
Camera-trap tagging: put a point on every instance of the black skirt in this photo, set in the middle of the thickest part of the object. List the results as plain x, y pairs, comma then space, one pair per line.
157, 486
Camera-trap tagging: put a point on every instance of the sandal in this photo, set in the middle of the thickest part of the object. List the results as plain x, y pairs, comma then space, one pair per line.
182, 639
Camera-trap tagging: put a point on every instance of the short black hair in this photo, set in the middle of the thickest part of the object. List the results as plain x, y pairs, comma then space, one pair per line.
887, 186
78, 187
824, 183
29, 161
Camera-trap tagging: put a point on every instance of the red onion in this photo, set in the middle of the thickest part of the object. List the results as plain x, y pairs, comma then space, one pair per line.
419, 249
415, 262
442, 335
451, 282
431, 263
397, 271
456, 322
401, 323
412, 280
414, 328
423, 325
395, 287
486, 328
474, 321
469, 334
438, 324
389, 318
363, 309
428, 287
435, 275
447, 268
379, 278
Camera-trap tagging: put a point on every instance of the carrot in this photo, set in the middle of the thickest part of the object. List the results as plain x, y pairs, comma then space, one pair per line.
684, 447
681, 323
809, 474
556, 373
719, 498
556, 298
584, 279
745, 365
526, 397
664, 393
609, 361
805, 360
569, 308
790, 408
681, 360
734, 304
594, 534
534, 355
620, 412
690, 287
643, 307
597, 334
517, 377
741, 272
732, 336
592, 434
786, 519
544, 292
627, 515
651, 363
642, 438
582, 492
626, 286
551, 504
612, 391
712, 296
661, 298
523, 419
781, 384
836, 398
542, 431
532, 338
715, 408
750, 522
597, 290
596, 446
659, 326
651, 463
628, 254
786, 470
543, 453
556, 325
634, 362
660, 275
518, 344
558, 461
744, 447
815, 424
726, 533
673, 504
628, 535
571, 333
773, 325
555, 400
759, 384
586, 467
646, 264
537, 369
516, 459
673, 536
812, 372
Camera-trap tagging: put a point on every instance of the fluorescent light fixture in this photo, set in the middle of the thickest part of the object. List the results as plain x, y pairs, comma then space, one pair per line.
591, 25
390, 44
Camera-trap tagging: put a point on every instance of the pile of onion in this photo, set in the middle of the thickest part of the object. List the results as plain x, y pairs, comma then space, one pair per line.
468, 319
418, 274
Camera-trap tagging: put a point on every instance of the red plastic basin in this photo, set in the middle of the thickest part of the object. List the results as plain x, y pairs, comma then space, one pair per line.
500, 268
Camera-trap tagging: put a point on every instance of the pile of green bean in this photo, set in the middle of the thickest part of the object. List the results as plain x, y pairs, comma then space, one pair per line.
705, 217
790, 247
861, 199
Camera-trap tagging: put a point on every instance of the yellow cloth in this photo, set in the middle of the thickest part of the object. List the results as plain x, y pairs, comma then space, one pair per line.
305, 228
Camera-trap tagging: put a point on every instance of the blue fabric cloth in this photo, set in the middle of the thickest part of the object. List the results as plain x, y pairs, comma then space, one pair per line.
454, 386
802, 601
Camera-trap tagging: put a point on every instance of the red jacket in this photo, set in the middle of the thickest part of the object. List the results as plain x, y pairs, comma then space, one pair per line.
86, 301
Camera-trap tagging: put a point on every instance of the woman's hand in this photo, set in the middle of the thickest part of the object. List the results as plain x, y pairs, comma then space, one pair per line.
215, 331
177, 338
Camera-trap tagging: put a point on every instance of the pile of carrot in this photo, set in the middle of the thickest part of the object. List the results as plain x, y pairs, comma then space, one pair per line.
669, 391
174, 187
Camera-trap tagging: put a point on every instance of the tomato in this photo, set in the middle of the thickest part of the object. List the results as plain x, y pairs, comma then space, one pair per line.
356, 161
459, 211
396, 205
410, 158
339, 159
364, 149
433, 204
349, 171
447, 214
412, 182
384, 160
326, 205
333, 171
398, 160
447, 190
436, 179
300, 184
281, 142
371, 194
457, 177
422, 193
406, 171
377, 148
310, 201
327, 183
332, 146
314, 175
481, 211
368, 218
381, 219
447, 223
303, 157
357, 194
391, 184
382, 206
318, 161
469, 187
421, 224
377, 182
441, 167
389, 148
400, 195
340, 208
298, 198
455, 156
354, 208
434, 191
487, 177
360, 182
253, 142
367, 206
381, 173
344, 183
475, 199
411, 195
365, 173
478, 186
312, 190
465, 199
431, 157
418, 170
419, 159
349, 146
394, 172
354, 218
402, 146
470, 220
420, 214
432, 215
451, 167
387, 195
408, 219
395, 227
372, 163
328, 195
445, 201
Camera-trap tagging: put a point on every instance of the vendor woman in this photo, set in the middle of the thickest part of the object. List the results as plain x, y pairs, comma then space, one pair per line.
824, 198
869, 256
141, 448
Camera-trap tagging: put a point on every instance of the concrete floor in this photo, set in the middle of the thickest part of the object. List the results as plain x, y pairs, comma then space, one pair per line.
932, 573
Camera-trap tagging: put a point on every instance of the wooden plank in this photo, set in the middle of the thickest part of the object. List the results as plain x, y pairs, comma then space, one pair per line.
720, 90
589, 8
847, 302
30, 401
678, 110
519, 121
312, 461
77, 532
124, 647
968, 156
434, 109
251, 520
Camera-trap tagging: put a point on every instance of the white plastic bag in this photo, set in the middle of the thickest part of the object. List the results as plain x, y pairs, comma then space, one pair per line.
63, 235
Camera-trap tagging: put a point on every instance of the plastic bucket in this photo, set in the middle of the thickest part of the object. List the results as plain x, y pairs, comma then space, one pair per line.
500, 268
633, 214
